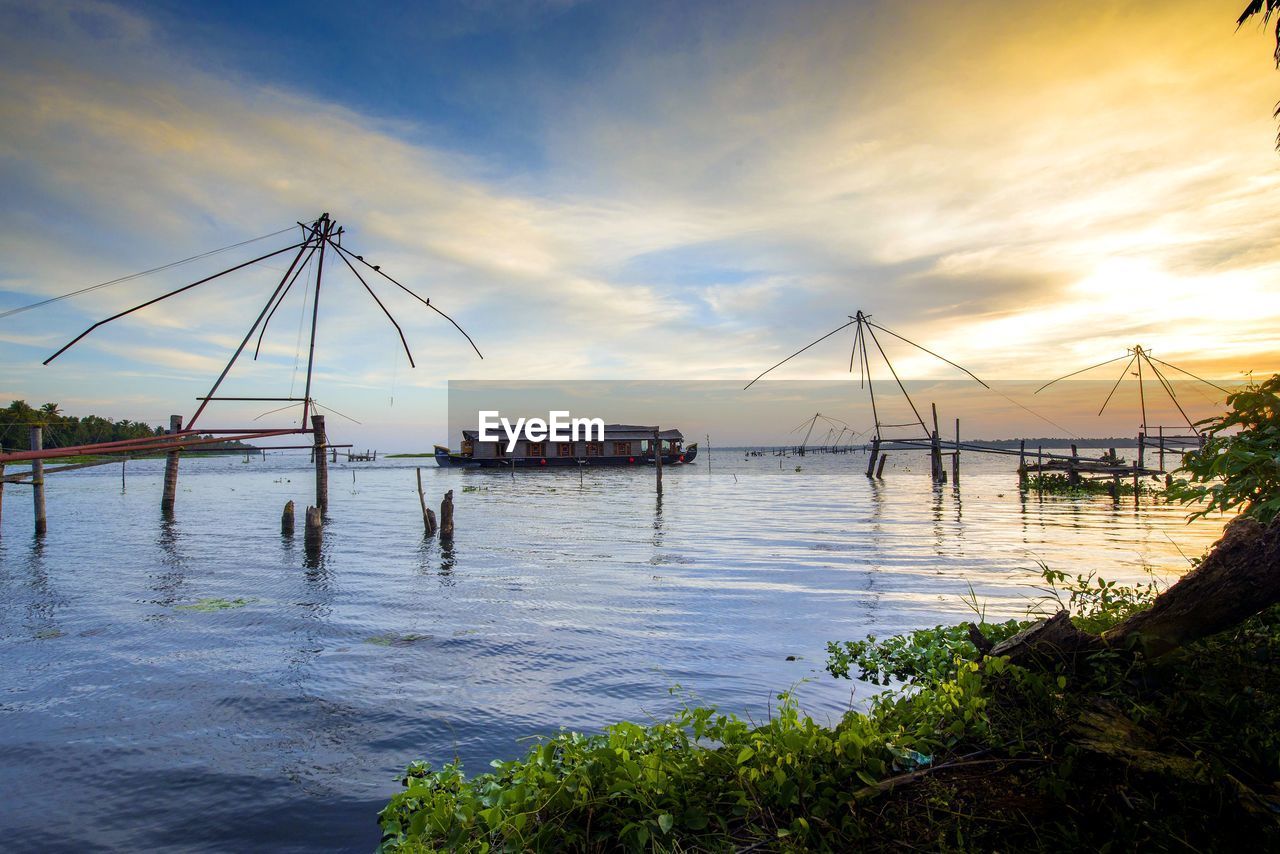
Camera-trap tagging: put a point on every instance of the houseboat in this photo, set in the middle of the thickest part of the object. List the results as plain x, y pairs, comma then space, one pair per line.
623, 445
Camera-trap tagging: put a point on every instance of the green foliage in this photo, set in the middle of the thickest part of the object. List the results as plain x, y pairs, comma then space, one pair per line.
926, 655
1060, 484
1239, 465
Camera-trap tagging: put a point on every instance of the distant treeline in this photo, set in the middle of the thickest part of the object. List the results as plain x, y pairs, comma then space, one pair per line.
61, 431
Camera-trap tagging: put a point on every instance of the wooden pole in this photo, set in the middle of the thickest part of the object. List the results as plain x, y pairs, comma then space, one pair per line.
286, 520
657, 456
936, 450
37, 481
1115, 478
428, 516
1, 489
955, 458
322, 468
1039, 470
708, 454
1073, 476
1136, 492
446, 516
880, 467
871, 458
1142, 441
1022, 462
170, 496
1161, 448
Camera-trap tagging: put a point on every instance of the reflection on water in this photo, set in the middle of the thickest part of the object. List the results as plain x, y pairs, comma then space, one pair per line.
208, 682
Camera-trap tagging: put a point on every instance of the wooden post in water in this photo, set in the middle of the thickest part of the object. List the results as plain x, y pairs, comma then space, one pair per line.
871, 458
1, 490
286, 520
1142, 441
37, 481
657, 455
1137, 469
321, 458
1115, 478
935, 449
1022, 462
1073, 475
170, 496
708, 453
1161, 452
955, 458
1039, 470
315, 527
880, 467
428, 515
446, 516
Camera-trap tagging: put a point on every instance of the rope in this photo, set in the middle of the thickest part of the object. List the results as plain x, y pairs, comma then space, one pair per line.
132, 276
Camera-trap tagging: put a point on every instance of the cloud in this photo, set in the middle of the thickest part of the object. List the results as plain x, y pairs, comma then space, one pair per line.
1020, 190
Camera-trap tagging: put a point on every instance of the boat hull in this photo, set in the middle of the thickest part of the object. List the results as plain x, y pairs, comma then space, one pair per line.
447, 459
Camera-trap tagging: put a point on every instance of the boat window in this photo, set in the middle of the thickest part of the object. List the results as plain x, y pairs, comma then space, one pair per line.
499, 449
564, 449
621, 449
595, 449
537, 449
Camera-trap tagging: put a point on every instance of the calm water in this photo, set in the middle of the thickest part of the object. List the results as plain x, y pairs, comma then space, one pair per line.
130, 720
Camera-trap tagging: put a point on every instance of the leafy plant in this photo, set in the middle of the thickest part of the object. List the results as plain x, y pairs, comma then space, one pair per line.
1238, 466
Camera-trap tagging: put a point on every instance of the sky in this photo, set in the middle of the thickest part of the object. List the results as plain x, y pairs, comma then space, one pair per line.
614, 190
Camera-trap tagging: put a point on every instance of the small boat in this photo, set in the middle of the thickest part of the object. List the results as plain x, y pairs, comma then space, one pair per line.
623, 445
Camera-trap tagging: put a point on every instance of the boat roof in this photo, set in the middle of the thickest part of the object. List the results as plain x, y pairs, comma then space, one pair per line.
612, 433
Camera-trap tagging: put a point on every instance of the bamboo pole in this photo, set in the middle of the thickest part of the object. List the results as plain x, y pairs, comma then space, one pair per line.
37, 481
170, 497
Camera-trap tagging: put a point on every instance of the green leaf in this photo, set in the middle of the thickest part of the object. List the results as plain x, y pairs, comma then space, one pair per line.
744, 754
665, 821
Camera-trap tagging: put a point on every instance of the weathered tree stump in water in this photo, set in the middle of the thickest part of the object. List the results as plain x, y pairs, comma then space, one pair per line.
286, 520
446, 516
1237, 579
315, 526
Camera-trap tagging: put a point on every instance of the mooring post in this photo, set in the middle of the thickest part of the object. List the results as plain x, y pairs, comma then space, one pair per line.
935, 453
1022, 462
428, 515
708, 453
170, 498
37, 481
880, 467
315, 527
871, 458
286, 520
955, 458
322, 460
657, 455
1073, 475
1137, 469
1115, 476
446, 516
1142, 441
1161, 452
